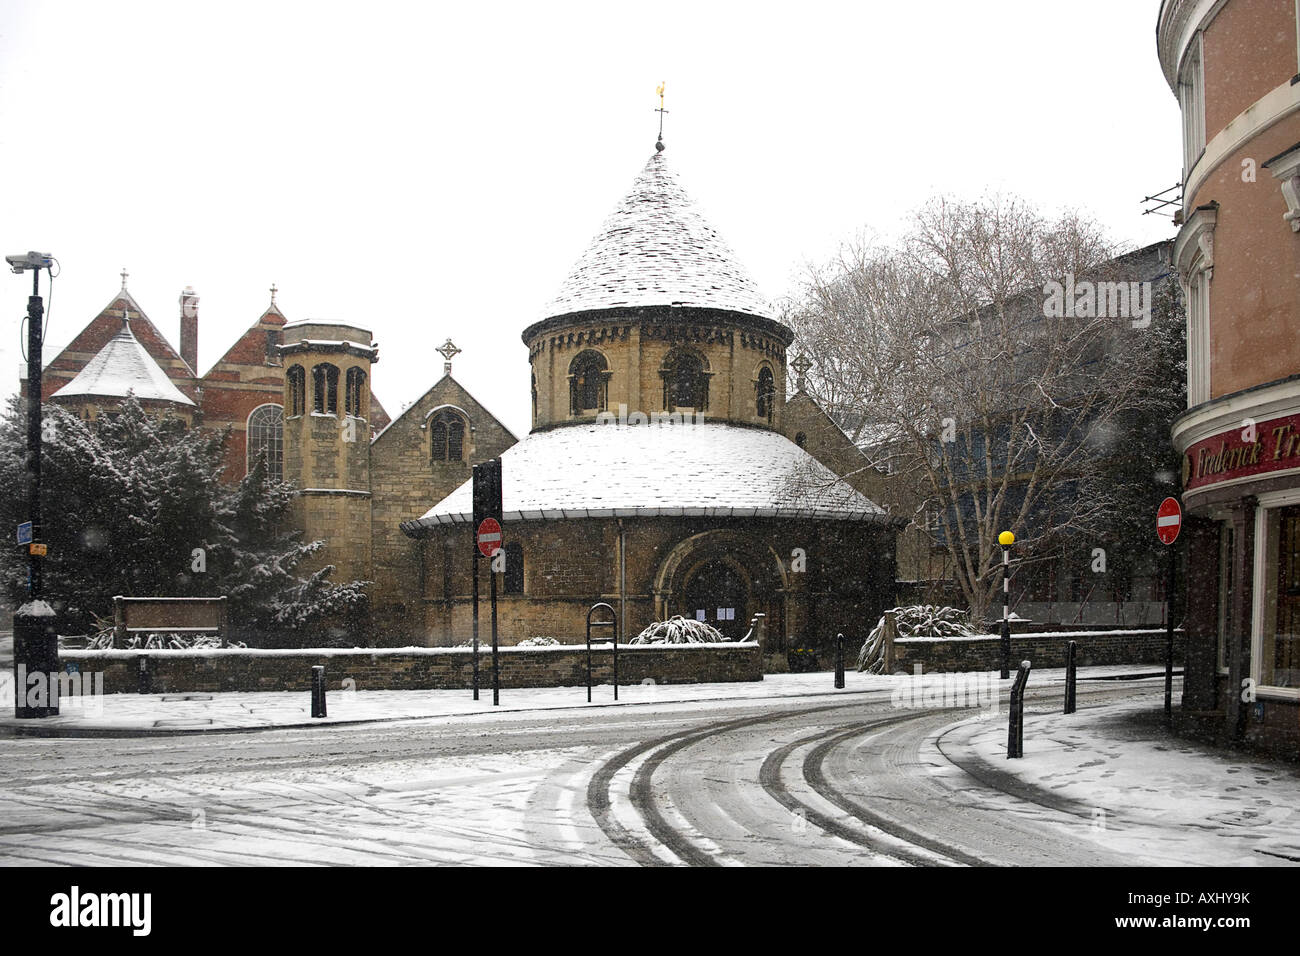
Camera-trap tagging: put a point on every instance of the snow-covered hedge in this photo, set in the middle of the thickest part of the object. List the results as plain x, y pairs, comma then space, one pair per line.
917, 620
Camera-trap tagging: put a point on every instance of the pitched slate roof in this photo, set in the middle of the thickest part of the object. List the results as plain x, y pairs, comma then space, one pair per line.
614, 470
657, 250
123, 366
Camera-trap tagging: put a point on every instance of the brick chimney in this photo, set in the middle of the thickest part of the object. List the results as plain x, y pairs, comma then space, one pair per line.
190, 329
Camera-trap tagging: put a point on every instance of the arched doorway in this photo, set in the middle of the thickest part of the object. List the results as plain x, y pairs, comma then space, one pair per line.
717, 592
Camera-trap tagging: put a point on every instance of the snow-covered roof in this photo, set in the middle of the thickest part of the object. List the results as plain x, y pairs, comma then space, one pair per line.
123, 366
712, 469
657, 250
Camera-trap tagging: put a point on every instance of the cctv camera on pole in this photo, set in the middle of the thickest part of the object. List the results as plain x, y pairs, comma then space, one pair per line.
36, 642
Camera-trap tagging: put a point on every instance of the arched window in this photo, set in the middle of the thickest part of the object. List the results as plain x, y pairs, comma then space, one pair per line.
297, 381
354, 392
325, 389
266, 438
447, 437
764, 393
514, 576
588, 373
686, 380
534, 399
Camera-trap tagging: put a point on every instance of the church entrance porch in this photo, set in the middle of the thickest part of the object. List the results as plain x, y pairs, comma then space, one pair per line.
717, 592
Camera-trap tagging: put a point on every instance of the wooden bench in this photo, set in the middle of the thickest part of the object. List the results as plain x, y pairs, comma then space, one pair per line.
171, 615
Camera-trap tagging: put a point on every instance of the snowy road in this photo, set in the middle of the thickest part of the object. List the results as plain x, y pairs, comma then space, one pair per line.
817, 780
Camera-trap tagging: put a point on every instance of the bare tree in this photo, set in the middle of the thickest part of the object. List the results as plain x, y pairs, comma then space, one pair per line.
948, 353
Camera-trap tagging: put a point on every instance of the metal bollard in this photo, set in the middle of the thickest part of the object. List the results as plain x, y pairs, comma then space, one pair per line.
1071, 672
318, 691
144, 680
1016, 724
839, 661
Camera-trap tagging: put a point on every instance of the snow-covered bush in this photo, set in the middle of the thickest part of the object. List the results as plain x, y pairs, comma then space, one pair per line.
679, 630
538, 642
917, 620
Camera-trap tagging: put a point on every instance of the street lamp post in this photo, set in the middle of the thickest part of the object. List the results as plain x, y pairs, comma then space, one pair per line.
36, 642
1006, 539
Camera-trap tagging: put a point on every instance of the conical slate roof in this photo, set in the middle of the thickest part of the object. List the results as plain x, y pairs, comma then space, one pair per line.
657, 250
123, 366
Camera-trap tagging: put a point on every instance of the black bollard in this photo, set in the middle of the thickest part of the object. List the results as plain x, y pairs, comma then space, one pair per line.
318, 691
36, 661
1070, 675
839, 661
144, 680
1016, 724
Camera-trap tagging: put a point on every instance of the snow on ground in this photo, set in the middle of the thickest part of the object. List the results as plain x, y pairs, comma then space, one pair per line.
235, 710
1135, 788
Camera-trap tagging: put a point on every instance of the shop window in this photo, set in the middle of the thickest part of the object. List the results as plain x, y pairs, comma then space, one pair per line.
1227, 544
1279, 621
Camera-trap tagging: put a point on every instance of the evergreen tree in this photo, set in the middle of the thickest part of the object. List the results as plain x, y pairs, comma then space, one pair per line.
133, 504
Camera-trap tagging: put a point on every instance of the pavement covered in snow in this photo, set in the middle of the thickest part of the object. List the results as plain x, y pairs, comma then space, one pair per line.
1124, 783
242, 711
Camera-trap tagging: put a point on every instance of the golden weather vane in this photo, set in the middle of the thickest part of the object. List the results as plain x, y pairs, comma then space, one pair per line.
659, 144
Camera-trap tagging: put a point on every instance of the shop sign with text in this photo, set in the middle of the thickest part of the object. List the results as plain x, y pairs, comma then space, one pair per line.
1254, 449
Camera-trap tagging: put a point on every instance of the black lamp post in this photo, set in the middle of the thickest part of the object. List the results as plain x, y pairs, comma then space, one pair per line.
36, 642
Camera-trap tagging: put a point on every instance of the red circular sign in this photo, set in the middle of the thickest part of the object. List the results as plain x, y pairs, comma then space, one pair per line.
1169, 520
489, 537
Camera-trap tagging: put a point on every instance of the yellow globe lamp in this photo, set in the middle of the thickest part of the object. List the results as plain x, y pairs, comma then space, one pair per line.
1006, 539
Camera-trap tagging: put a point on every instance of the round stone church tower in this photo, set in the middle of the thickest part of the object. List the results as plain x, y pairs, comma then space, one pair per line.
657, 477
657, 318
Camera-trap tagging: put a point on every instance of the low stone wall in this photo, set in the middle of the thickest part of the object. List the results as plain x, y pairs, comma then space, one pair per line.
983, 653
416, 668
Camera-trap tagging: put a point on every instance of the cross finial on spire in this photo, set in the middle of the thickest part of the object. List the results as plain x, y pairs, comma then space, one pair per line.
659, 143
449, 352
124, 275
273, 292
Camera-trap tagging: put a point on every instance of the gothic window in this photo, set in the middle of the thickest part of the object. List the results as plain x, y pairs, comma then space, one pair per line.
764, 393
686, 381
447, 437
325, 389
297, 380
514, 576
588, 374
266, 439
354, 392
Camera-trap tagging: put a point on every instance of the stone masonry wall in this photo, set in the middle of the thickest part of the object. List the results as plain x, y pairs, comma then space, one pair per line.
1042, 650
416, 668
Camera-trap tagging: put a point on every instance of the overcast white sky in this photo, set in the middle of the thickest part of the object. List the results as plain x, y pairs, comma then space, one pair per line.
434, 169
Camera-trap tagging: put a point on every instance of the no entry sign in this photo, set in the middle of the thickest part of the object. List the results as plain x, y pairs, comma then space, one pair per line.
1169, 520
489, 537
